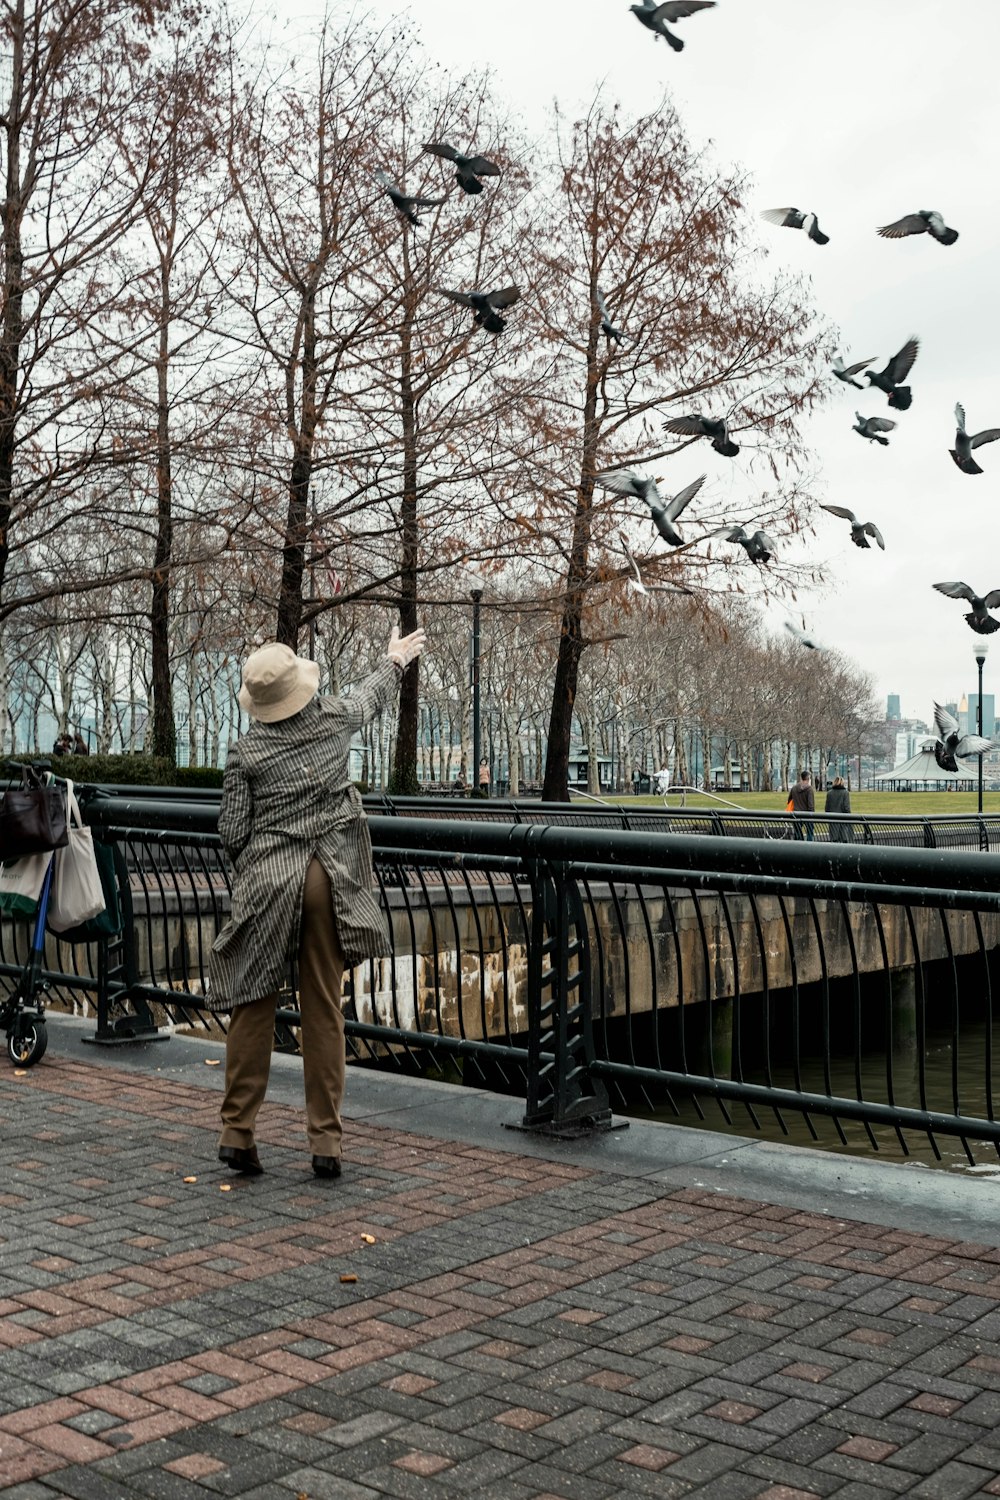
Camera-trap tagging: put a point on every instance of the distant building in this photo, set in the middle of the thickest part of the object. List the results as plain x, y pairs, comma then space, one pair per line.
963, 715
989, 714
892, 707
909, 739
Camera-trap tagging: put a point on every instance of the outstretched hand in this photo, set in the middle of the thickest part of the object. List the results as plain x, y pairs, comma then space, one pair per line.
404, 649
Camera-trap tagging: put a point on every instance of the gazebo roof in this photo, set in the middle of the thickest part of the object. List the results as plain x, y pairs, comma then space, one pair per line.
923, 767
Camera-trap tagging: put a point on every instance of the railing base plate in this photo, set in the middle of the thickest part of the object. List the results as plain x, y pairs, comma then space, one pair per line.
126, 1039
572, 1130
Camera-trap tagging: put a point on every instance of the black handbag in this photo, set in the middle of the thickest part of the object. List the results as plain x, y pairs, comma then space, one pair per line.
32, 817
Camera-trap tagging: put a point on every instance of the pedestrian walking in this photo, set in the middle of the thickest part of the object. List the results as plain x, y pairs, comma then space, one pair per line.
294, 831
484, 778
838, 800
802, 799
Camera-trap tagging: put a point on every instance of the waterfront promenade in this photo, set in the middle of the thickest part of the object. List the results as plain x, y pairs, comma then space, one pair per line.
470, 1311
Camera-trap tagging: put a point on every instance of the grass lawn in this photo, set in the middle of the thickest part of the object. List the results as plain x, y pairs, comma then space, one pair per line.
886, 803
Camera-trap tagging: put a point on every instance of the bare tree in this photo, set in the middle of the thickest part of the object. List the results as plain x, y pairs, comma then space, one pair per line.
644, 223
67, 203
171, 403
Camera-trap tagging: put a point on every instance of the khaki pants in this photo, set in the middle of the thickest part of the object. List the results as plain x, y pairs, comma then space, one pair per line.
251, 1034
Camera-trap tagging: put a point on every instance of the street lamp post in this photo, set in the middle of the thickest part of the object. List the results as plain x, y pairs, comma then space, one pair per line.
477, 737
980, 649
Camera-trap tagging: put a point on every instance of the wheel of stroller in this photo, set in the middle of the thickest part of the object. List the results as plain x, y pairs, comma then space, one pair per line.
27, 1042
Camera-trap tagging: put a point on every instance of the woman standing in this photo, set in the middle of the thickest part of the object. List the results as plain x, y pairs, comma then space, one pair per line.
838, 800
294, 830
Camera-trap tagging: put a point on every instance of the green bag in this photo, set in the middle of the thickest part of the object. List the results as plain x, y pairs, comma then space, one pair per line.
21, 882
107, 923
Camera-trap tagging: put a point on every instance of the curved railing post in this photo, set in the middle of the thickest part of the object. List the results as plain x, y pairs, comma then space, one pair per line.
562, 1094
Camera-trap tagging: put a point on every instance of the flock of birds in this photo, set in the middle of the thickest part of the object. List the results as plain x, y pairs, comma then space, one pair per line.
488, 307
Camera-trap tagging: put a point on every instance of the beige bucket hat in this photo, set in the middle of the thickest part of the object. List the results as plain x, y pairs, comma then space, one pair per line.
277, 683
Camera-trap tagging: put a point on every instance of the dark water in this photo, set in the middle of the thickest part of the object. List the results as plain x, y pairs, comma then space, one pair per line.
971, 1055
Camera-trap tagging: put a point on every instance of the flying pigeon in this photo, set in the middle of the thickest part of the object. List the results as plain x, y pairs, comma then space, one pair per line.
979, 619
625, 482
896, 370
924, 221
870, 427
485, 305
964, 444
759, 547
655, 17
803, 637
845, 372
636, 584
607, 327
401, 202
696, 425
953, 743
860, 530
794, 218
468, 169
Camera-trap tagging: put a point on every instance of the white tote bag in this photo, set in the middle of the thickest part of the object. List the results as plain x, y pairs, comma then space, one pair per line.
77, 893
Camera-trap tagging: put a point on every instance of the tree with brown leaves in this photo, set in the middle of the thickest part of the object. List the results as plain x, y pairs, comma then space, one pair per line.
652, 307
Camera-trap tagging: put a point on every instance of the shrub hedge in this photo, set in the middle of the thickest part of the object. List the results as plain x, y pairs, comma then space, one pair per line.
130, 770
197, 776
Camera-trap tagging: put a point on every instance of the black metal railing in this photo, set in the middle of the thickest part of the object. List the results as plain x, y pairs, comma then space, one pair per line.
969, 831
838, 990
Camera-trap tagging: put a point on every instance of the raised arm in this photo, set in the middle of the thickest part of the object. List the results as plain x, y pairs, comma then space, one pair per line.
236, 809
369, 698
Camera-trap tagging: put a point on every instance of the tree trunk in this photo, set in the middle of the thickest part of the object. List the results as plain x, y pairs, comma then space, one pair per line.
293, 556
192, 709
513, 757
556, 784
12, 328
571, 642
164, 729
625, 758
593, 768
404, 769
706, 760
216, 723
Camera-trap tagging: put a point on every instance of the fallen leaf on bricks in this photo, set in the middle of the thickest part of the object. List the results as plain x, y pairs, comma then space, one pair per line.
349, 1276
190, 1179
225, 1187
369, 1239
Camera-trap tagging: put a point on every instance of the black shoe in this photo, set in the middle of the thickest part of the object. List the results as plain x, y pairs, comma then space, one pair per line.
242, 1159
326, 1166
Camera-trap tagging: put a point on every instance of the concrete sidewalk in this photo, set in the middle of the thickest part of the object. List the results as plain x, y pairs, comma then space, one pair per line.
660, 1312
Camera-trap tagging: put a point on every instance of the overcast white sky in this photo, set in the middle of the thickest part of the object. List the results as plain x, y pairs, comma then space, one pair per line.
861, 110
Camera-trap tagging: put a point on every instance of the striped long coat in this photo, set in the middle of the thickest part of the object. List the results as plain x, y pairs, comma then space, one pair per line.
286, 796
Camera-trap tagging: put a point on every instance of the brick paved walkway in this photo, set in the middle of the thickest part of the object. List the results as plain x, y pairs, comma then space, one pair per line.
510, 1327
